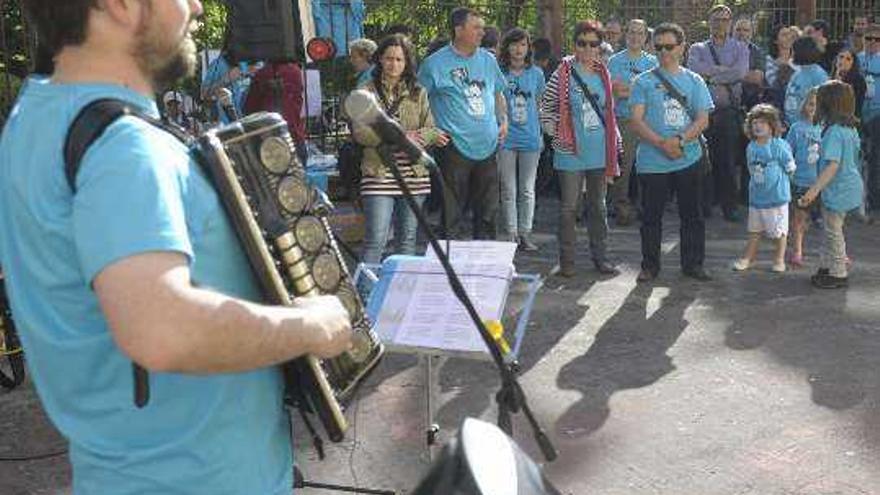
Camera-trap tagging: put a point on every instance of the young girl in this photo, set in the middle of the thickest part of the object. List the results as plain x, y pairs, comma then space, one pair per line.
839, 180
518, 156
770, 163
804, 136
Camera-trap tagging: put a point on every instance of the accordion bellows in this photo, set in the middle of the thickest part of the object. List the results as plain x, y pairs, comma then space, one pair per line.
283, 226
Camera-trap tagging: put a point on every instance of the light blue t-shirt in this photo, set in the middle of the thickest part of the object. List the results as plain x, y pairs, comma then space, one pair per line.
365, 76
461, 91
844, 192
625, 68
137, 191
870, 67
805, 79
805, 139
588, 130
216, 70
769, 167
666, 117
522, 93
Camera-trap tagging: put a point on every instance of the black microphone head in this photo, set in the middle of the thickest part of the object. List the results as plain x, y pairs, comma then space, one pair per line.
362, 107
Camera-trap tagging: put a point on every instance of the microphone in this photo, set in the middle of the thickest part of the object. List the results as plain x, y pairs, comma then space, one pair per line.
363, 109
224, 96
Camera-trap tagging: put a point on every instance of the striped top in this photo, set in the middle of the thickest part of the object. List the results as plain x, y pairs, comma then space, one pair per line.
386, 184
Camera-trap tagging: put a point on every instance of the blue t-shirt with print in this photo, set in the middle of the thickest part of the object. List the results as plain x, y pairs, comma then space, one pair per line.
461, 91
522, 93
589, 133
844, 192
138, 191
805, 79
769, 167
666, 117
870, 67
625, 69
805, 139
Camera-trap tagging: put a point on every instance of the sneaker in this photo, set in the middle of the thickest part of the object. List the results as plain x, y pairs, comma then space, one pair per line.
741, 265
698, 273
606, 268
526, 243
646, 275
778, 267
825, 281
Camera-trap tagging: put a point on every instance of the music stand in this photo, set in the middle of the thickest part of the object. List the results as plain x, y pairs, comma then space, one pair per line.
368, 277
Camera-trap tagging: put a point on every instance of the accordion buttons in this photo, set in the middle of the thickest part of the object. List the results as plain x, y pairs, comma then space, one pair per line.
326, 272
285, 241
293, 195
275, 154
310, 234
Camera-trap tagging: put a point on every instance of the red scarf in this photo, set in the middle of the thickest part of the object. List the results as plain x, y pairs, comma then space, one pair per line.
565, 129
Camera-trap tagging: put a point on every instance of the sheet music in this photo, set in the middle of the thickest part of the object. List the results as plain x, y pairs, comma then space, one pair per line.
418, 308
488, 252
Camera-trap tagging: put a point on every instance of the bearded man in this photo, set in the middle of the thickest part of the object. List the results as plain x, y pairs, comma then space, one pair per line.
138, 263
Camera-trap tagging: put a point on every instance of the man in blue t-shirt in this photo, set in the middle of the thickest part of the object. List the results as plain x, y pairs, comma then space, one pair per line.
624, 66
466, 92
669, 153
139, 263
869, 61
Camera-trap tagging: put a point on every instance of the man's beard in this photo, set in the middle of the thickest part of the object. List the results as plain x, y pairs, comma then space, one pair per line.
163, 64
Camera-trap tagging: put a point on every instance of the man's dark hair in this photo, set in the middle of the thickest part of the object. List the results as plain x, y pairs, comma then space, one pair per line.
542, 48
59, 23
458, 17
490, 37
822, 25
670, 27
806, 51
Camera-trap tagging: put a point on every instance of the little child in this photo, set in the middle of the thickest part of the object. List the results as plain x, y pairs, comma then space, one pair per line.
770, 163
804, 137
839, 180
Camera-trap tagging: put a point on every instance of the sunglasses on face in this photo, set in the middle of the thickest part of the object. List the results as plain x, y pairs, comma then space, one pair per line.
668, 47
590, 43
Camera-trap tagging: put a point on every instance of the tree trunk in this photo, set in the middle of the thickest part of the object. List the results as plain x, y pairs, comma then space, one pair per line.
806, 11
550, 23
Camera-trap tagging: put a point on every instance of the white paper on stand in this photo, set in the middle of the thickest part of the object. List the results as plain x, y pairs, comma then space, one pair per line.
488, 252
419, 308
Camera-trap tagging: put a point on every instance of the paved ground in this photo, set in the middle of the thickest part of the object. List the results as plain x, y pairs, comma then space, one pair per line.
751, 384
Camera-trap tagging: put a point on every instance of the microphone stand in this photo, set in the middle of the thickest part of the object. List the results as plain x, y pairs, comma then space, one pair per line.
511, 398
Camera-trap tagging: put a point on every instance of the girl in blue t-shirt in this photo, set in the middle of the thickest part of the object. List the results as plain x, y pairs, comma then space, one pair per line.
519, 154
839, 180
770, 164
804, 137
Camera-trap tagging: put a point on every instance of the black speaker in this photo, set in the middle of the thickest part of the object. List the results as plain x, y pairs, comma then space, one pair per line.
268, 30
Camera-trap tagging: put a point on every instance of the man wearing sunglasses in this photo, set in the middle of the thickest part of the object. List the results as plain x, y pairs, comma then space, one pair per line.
723, 62
869, 62
669, 152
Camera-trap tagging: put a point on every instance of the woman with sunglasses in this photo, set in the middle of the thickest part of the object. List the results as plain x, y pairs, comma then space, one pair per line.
578, 112
869, 61
846, 69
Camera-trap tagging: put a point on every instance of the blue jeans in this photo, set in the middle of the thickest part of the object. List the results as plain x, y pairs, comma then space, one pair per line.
517, 171
379, 211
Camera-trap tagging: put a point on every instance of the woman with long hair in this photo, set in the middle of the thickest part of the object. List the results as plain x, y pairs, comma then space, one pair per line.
846, 69
578, 111
518, 156
808, 56
400, 96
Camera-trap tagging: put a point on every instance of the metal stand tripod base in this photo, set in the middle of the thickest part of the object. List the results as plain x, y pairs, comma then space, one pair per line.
300, 482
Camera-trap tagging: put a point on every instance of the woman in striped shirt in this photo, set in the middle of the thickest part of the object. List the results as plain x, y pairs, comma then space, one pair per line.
395, 86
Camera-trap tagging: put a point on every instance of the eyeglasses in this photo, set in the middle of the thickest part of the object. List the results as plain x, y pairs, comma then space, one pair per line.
668, 46
590, 43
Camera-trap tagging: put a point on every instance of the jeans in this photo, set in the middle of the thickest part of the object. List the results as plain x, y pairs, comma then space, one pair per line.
517, 171
379, 210
833, 253
469, 183
871, 130
687, 185
724, 147
571, 184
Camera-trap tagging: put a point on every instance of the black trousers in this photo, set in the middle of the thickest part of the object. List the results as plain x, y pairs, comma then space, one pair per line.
871, 130
687, 185
724, 136
469, 184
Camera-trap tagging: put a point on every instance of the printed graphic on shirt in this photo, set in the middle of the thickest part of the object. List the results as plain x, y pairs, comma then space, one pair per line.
591, 120
473, 91
674, 115
813, 152
792, 101
519, 112
869, 85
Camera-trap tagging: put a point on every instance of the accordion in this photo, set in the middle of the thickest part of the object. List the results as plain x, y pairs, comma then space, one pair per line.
283, 226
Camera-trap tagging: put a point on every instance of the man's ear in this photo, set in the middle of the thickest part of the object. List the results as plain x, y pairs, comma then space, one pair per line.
125, 13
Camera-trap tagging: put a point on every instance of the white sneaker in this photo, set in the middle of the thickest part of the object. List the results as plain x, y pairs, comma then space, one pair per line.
741, 265
778, 267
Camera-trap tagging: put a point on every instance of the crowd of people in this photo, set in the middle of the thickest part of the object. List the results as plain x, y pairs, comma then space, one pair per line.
633, 118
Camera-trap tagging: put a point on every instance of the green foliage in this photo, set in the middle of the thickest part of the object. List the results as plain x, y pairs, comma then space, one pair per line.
212, 25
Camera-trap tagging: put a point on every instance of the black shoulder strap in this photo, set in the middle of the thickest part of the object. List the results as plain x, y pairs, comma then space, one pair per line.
590, 96
673, 91
713, 53
90, 124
